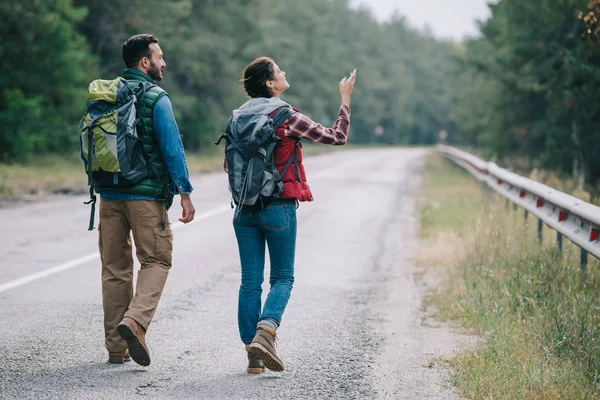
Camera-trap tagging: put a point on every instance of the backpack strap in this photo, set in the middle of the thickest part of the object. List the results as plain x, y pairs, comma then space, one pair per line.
280, 116
293, 157
92, 200
218, 142
139, 91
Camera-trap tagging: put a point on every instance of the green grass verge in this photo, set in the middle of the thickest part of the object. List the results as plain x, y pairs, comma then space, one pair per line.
65, 174
537, 313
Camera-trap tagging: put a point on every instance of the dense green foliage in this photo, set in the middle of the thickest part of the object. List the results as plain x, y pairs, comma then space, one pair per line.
50, 50
45, 67
527, 86
531, 87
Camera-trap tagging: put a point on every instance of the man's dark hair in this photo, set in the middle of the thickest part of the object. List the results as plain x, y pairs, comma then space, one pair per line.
136, 48
256, 75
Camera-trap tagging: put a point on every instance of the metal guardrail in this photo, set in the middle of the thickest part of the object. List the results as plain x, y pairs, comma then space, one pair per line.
568, 215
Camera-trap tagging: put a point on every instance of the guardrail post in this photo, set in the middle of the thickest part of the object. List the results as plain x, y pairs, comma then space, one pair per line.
484, 188
540, 226
515, 207
559, 242
526, 214
584, 259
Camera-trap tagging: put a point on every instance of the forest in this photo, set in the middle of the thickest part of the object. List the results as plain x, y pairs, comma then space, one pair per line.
524, 87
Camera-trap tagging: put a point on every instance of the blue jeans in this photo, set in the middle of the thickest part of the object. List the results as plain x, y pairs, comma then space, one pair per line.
274, 226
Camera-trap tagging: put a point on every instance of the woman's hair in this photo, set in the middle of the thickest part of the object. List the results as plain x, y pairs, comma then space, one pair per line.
256, 75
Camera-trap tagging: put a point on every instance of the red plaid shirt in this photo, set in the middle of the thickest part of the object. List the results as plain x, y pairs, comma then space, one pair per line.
300, 126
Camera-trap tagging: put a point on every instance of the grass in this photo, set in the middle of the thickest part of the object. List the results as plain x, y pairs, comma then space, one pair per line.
65, 174
537, 312
46, 174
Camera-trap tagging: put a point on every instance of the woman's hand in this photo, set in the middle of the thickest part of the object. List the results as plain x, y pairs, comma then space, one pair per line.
346, 88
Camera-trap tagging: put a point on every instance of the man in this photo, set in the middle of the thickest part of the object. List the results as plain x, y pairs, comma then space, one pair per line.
141, 209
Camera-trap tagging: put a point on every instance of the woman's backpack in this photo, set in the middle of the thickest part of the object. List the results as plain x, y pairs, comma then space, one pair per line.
250, 142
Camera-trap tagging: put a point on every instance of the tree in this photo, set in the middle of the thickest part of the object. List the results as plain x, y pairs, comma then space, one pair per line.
401, 87
46, 63
537, 68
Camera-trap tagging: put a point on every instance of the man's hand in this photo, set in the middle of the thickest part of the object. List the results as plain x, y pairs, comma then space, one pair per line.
187, 215
347, 87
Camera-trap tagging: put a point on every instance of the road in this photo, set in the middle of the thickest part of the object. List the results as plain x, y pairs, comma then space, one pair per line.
353, 329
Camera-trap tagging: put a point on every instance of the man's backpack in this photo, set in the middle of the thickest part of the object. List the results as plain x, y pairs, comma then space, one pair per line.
111, 147
250, 143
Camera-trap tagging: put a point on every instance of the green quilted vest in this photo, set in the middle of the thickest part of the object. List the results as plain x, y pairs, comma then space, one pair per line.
155, 186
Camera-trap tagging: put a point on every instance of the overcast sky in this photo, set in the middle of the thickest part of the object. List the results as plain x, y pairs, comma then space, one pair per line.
450, 19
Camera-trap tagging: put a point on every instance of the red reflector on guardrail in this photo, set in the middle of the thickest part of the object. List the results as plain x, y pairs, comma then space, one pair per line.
522, 193
539, 203
562, 215
499, 181
594, 234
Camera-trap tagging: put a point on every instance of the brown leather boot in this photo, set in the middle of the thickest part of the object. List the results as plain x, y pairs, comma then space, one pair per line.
135, 337
255, 364
119, 357
263, 345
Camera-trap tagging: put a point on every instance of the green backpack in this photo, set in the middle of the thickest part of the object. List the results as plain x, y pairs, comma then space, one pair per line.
111, 147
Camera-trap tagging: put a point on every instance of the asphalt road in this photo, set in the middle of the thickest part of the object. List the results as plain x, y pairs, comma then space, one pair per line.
354, 327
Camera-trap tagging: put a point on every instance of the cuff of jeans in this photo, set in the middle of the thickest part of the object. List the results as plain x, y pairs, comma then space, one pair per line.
269, 323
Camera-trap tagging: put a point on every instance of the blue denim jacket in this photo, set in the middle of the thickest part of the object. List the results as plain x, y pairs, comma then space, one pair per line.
171, 148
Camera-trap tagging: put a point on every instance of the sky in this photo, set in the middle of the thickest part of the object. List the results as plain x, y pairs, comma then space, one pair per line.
447, 19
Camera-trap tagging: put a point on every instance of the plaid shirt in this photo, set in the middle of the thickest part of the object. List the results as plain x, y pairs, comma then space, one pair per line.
300, 126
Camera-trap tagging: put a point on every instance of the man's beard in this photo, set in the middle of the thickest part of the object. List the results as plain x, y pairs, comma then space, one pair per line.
154, 72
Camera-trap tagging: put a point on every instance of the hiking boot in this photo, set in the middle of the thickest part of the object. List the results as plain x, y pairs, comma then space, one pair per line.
119, 357
134, 335
263, 345
255, 364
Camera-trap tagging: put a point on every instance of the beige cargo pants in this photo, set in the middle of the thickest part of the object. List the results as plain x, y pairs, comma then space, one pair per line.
148, 220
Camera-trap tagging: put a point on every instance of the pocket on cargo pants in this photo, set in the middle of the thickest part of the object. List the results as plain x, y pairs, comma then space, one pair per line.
163, 251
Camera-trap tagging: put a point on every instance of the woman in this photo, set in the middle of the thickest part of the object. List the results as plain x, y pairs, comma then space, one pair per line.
275, 225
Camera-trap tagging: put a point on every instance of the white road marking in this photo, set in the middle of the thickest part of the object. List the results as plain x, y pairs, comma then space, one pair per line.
93, 256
